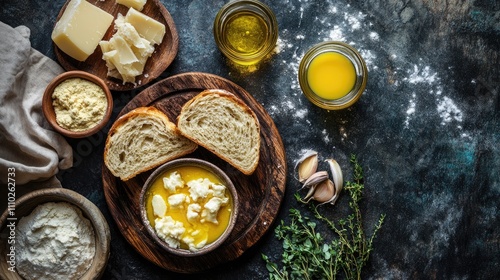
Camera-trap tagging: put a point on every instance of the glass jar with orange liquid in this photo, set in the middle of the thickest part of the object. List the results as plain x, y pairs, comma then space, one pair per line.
333, 75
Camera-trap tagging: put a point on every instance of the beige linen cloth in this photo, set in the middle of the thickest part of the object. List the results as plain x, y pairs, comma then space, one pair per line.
26, 141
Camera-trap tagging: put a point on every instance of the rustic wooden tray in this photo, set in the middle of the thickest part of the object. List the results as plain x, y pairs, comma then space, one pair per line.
260, 194
162, 57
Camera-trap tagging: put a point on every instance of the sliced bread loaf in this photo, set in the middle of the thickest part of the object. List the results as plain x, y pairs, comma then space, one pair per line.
223, 124
143, 139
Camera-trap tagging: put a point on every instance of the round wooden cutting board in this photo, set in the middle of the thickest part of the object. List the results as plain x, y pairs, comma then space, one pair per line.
161, 58
260, 194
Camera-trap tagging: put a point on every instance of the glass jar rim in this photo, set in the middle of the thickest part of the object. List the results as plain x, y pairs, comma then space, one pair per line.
350, 53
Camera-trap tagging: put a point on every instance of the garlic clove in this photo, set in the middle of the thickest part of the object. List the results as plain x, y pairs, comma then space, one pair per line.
307, 165
337, 178
310, 193
315, 179
333, 199
324, 191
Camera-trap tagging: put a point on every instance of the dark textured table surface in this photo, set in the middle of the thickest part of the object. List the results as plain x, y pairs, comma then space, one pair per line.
426, 129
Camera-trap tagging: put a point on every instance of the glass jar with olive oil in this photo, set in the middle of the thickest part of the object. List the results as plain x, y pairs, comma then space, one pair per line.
245, 31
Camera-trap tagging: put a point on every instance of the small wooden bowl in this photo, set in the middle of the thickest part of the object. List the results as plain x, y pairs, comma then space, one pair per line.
48, 109
210, 168
27, 203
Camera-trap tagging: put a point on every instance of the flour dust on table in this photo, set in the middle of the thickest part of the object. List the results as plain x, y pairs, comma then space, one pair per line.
351, 26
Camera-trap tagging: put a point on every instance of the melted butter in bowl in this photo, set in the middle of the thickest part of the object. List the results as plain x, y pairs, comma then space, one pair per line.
189, 206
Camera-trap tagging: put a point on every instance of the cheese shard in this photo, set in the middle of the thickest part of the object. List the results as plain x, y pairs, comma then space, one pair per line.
128, 50
159, 206
136, 4
125, 53
149, 28
80, 29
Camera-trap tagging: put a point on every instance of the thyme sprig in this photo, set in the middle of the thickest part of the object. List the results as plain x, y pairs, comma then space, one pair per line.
307, 255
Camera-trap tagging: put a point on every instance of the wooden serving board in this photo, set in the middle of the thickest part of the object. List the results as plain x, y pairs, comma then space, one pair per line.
162, 57
260, 194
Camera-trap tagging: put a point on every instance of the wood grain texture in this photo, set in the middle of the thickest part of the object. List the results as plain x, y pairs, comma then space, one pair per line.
162, 57
260, 194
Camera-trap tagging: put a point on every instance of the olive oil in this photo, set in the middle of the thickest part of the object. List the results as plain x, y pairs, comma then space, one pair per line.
246, 33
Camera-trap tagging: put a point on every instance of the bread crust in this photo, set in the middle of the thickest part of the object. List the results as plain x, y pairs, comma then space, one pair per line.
138, 113
241, 104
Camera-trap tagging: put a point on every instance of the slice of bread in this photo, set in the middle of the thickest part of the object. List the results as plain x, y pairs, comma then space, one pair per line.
223, 124
143, 139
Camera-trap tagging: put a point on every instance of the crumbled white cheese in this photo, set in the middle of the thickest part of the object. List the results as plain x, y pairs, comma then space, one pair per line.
173, 182
210, 210
193, 212
219, 190
202, 205
159, 206
54, 242
190, 241
177, 200
169, 230
199, 188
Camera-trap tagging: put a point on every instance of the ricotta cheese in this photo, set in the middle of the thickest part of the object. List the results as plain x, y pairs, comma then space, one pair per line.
173, 182
193, 246
192, 210
177, 200
54, 242
199, 188
210, 210
169, 230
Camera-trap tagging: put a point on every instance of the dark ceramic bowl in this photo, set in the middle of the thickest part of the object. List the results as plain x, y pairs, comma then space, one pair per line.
183, 162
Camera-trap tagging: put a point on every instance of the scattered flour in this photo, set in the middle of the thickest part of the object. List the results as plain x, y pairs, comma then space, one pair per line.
421, 76
429, 83
449, 111
411, 110
347, 24
340, 23
326, 136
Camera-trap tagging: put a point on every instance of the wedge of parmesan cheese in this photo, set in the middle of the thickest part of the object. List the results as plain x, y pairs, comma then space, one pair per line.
80, 28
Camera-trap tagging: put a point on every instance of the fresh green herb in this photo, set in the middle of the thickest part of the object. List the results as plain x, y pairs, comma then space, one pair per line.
306, 255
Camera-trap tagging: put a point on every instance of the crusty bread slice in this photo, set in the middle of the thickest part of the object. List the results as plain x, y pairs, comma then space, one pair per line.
223, 124
143, 139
